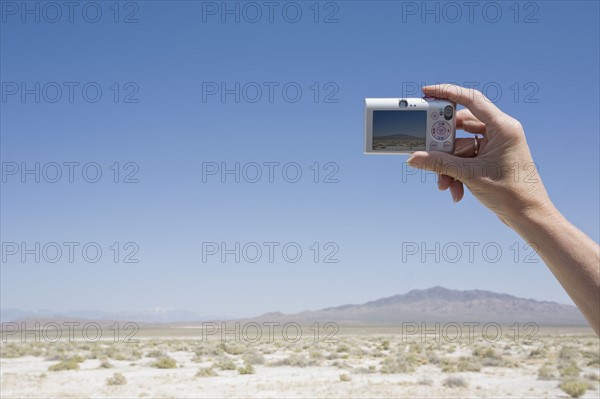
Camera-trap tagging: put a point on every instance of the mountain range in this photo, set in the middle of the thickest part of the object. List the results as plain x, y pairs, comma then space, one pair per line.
429, 305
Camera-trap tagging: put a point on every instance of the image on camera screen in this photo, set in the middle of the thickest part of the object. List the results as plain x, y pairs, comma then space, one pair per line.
399, 130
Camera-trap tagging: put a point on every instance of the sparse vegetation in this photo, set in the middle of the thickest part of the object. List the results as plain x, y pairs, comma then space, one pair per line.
165, 362
246, 369
116, 379
574, 387
396, 365
569, 370
105, 364
562, 360
68, 364
226, 364
455, 382
425, 381
206, 372
545, 373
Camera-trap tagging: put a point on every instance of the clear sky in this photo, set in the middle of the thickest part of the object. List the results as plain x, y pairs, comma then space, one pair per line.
168, 118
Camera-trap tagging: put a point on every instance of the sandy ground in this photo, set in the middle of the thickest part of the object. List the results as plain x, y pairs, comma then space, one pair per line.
516, 375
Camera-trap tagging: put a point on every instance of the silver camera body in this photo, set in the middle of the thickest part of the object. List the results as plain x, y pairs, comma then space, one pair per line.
406, 125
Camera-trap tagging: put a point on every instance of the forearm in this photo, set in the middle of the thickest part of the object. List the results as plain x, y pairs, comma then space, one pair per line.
571, 255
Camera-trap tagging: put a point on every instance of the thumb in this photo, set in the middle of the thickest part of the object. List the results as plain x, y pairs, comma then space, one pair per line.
437, 161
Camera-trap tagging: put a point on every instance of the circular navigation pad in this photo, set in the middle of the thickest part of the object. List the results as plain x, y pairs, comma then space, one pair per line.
440, 130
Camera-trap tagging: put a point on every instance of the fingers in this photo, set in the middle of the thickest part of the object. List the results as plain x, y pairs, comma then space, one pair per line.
465, 147
444, 182
457, 190
479, 105
465, 120
439, 162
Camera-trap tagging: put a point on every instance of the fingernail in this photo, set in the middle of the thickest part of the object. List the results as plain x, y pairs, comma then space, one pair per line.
454, 197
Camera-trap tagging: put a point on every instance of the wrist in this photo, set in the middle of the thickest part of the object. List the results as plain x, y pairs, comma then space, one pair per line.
533, 215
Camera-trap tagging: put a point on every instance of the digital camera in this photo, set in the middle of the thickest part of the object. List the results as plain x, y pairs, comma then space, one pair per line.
406, 125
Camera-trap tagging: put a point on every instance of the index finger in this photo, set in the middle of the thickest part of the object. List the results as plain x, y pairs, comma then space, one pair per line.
474, 100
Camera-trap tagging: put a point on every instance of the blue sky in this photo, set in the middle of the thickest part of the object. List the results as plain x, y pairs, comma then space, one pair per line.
172, 62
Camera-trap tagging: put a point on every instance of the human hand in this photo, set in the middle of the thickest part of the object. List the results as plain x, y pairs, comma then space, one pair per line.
500, 172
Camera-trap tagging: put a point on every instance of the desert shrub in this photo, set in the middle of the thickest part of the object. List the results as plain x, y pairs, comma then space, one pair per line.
165, 362
592, 376
68, 364
341, 365
226, 364
567, 353
342, 348
425, 381
366, 370
156, 353
254, 358
208, 350
538, 353
105, 364
205, 372
447, 366
574, 388
345, 378
468, 364
116, 379
569, 370
43, 375
295, 360
484, 352
121, 352
593, 358
433, 358
316, 354
455, 382
385, 345
246, 369
488, 357
545, 373
396, 365
232, 349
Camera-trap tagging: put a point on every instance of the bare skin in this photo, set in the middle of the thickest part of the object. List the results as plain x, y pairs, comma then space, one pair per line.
503, 177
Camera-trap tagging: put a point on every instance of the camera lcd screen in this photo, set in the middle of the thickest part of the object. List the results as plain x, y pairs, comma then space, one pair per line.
399, 130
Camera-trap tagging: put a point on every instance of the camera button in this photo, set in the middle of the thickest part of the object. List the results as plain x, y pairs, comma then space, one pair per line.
433, 146
440, 130
435, 116
447, 145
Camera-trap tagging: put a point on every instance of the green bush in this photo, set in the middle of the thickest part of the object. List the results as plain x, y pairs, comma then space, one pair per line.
247, 369
165, 362
226, 364
345, 378
574, 388
545, 373
116, 379
396, 365
254, 358
295, 360
569, 370
468, 364
206, 372
68, 364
